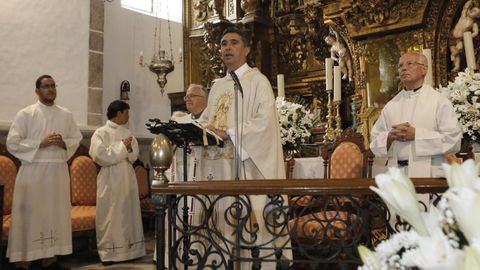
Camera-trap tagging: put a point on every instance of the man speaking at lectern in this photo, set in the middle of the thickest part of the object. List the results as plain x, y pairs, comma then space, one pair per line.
260, 151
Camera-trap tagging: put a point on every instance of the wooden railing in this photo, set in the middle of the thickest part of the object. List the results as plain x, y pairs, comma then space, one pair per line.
323, 233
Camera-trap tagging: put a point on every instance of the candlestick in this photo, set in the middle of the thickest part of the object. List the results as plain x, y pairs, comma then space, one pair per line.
328, 73
429, 76
338, 119
469, 52
329, 133
337, 83
281, 85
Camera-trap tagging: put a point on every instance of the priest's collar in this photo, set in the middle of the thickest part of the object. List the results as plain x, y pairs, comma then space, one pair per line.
414, 90
241, 70
112, 124
196, 116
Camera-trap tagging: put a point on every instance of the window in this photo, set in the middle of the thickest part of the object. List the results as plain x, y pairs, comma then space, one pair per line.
157, 8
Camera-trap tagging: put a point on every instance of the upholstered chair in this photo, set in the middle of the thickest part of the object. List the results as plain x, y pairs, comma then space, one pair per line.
83, 176
144, 193
8, 173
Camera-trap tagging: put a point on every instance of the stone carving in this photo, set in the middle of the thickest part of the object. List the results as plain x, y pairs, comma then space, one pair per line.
294, 53
466, 22
315, 31
212, 66
201, 10
340, 54
218, 6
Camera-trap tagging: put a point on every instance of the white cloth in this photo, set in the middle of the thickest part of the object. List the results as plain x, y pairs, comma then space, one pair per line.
260, 138
118, 217
41, 223
437, 131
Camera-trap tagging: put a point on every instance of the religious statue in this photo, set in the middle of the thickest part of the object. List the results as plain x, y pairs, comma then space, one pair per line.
466, 22
340, 54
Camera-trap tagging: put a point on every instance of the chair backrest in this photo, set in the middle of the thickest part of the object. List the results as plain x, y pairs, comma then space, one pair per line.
347, 157
83, 177
8, 173
9, 166
142, 179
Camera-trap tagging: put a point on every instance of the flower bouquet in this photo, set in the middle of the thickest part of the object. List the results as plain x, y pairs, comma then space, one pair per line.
445, 237
464, 93
295, 122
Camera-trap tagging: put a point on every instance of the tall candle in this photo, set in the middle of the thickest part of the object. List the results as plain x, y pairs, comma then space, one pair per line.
469, 52
369, 100
328, 73
337, 83
281, 85
429, 76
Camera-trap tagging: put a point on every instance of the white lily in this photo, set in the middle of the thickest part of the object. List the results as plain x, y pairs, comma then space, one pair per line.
472, 259
437, 244
461, 176
398, 192
368, 257
465, 205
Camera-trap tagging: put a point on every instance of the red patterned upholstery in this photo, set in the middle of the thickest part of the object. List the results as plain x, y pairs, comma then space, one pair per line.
83, 176
6, 226
142, 181
346, 161
8, 173
332, 223
83, 218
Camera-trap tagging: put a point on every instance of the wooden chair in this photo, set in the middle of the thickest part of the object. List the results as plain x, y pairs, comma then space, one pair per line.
83, 177
9, 166
145, 194
325, 221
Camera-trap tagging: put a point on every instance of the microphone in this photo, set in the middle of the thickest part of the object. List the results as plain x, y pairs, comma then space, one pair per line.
236, 81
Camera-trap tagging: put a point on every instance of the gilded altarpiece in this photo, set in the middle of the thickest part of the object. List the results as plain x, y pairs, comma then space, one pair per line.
288, 37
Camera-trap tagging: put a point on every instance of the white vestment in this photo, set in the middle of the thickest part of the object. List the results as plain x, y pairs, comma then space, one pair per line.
437, 131
262, 156
118, 216
41, 223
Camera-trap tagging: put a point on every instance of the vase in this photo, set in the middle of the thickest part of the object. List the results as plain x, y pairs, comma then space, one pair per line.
466, 150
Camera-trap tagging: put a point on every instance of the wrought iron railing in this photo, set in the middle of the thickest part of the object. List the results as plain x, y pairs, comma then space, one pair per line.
272, 224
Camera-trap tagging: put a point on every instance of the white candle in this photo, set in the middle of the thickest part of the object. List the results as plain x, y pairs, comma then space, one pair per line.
469, 52
281, 85
337, 83
369, 101
328, 73
141, 53
429, 76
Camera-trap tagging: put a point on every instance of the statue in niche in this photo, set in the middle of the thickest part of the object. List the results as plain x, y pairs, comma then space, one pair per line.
340, 54
466, 22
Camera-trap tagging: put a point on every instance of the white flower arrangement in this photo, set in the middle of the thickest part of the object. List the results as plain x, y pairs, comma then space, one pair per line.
464, 93
295, 122
445, 237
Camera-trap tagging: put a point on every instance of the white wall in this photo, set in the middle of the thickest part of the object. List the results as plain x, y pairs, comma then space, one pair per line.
43, 37
126, 34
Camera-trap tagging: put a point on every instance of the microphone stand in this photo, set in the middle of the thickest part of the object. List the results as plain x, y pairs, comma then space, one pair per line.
236, 154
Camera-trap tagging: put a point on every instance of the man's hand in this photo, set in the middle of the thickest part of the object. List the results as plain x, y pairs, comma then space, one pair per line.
128, 142
53, 139
221, 133
404, 132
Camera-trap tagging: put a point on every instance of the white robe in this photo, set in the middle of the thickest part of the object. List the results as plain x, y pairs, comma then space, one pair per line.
118, 216
437, 131
41, 223
262, 156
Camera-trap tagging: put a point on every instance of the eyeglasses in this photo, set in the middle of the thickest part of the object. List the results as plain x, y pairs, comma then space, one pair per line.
409, 64
50, 86
192, 96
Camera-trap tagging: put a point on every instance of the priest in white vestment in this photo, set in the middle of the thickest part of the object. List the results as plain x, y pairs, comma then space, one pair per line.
418, 127
258, 130
43, 136
118, 216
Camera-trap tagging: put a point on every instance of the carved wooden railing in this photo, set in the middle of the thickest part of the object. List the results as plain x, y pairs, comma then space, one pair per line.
320, 222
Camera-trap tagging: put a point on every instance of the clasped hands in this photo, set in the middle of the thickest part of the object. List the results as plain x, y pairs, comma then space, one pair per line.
402, 132
128, 142
53, 139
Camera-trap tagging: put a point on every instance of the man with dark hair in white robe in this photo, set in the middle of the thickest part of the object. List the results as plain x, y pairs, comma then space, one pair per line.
43, 136
118, 216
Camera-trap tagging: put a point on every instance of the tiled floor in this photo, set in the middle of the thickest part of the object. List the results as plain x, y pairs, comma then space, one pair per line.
88, 260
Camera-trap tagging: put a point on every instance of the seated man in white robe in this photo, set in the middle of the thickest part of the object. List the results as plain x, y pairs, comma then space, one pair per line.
418, 127
118, 217
43, 136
